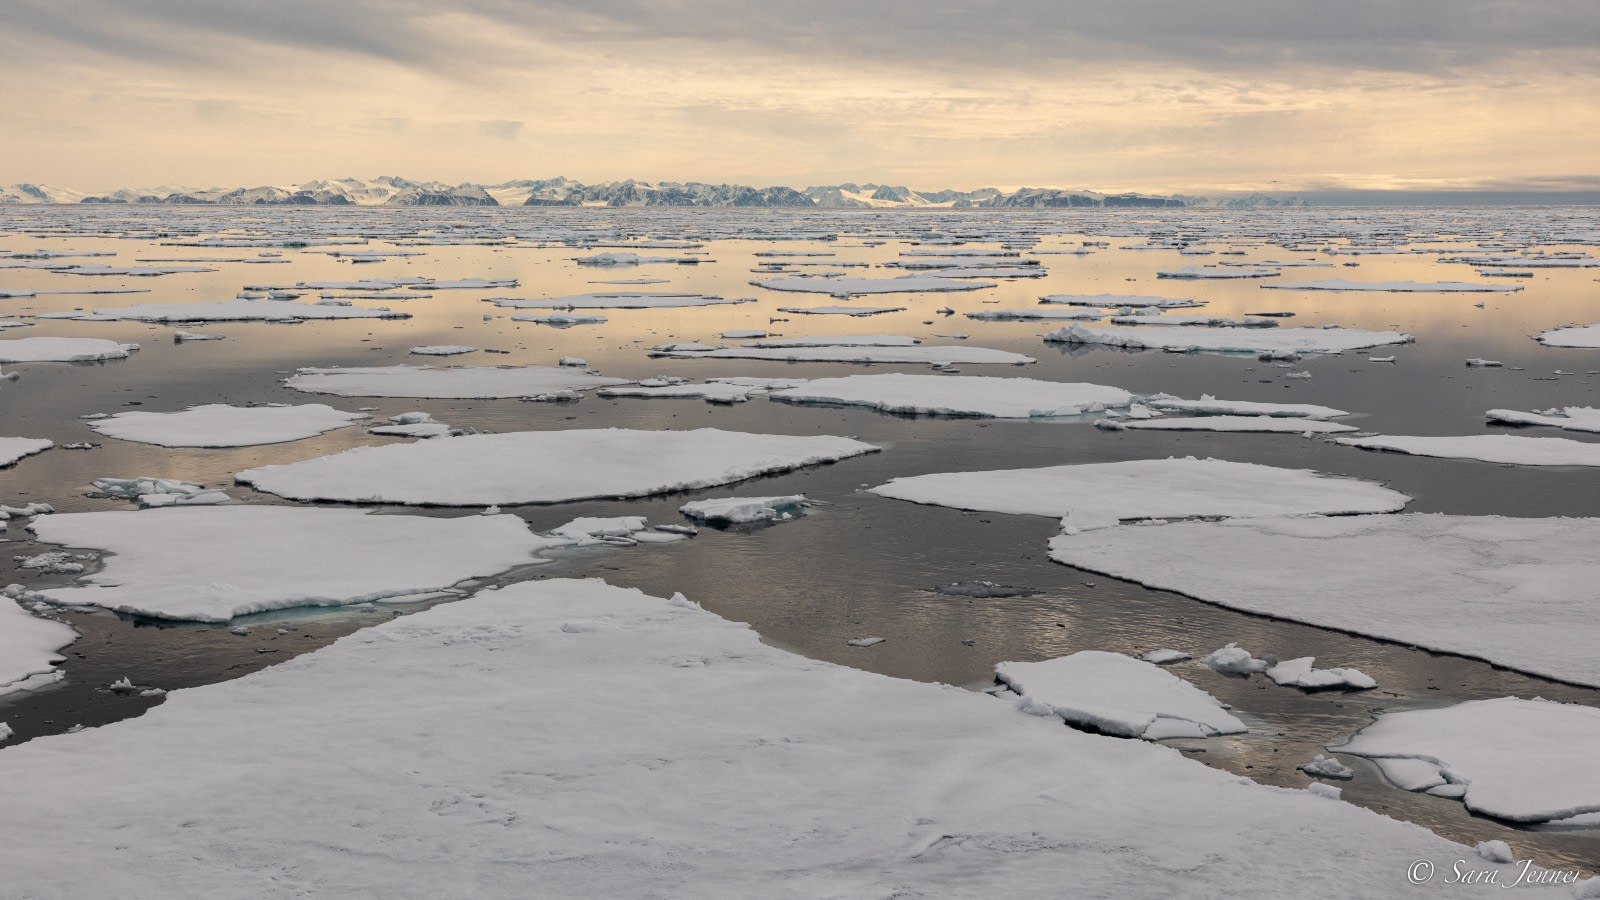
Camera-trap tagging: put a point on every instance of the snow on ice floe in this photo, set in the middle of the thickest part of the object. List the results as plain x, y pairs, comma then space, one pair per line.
888, 785
221, 425
735, 389
1115, 301
1099, 495
61, 349
617, 300
1208, 405
1519, 593
447, 383
1117, 695
957, 395
1229, 340
1510, 449
850, 287
920, 353
210, 564
1440, 287
1584, 336
1571, 418
743, 510
1301, 674
28, 645
840, 310
547, 466
413, 424
1203, 272
1237, 424
234, 310
1520, 760
15, 448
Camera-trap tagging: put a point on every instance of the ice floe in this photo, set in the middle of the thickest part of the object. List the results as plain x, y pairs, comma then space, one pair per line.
714, 390
443, 350
1301, 674
1510, 449
546, 466
221, 425
62, 349
15, 448
1585, 336
1117, 695
1520, 760
234, 310
1239, 424
1438, 287
1034, 313
840, 310
1116, 301
850, 287
617, 300
28, 645
1234, 660
844, 340
1208, 405
1571, 418
1202, 272
559, 320
921, 353
741, 510
447, 383
957, 395
413, 424
1229, 340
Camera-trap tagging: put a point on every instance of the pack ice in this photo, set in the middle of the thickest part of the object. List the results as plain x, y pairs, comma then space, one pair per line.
60, 349
447, 383
1099, 495
221, 425
546, 466
1496, 448
459, 751
1117, 695
957, 395
211, 563
1520, 760
1229, 340
1519, 593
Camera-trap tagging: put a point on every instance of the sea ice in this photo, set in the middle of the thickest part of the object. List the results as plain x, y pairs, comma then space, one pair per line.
1037, 313
546, 466
1116, 301
60, 349
1496, 448
1585, 336
841, 310
28, 645
921, 353
957, 395
234, 310
221, 425
1299, 673
1571, 418
844, 340
740, 510
1202, 272
443, 350
1240, 424
15, 448
849, 287
1234, 660
1117, 695
1341, 284
1208, 405
617, 300
1328, 767
451, 383
1229, 340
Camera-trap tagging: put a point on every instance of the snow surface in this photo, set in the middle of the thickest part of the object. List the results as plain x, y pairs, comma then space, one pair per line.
957, 395
446, 383
1097, 495
1585, 336
221, 425
209, 564
1239, 424
1519, 593
921, 353
848, 287
1496, 448
546, 466
1521, 760
460, 752
740, 510
234, 310
60, 349
1118, 695
1341, 284
1229, 340
28, 645
15, 448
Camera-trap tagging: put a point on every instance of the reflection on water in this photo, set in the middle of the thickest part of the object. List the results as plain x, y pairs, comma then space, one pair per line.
860, 565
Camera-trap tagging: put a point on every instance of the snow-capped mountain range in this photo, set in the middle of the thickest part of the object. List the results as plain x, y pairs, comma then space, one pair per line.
389, 190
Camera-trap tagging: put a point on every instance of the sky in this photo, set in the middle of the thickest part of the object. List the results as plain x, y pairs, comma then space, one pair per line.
1168, 96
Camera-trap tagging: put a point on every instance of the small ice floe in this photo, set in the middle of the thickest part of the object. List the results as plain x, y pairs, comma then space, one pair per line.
1208, 405
5, 731
840, 310
981, 590
966, 395
153, 692
1205, 272
490, 511
32, 509
741, 510
55, 562
221, 425
1116, 301
1585, 336
153, 492
28, 645
1235, 660
845, 340
521, 467
1228, 340
617, 300
1519, 760
1380, 359
572, 362
79, 445
1164, 656
1496, 448
121, 686
446, 383
1238, 424
742, 335
417, 424
1327, 767
1571, 418
866, 641
15, 448
235, 310
617, 530
1154, 318
181, 337
689, 530
914, 354
62, 349
1299, 673
1298, 375
443, 350
1117, 695
634, 259
849, 287
559, 320
1476, 363
736, 389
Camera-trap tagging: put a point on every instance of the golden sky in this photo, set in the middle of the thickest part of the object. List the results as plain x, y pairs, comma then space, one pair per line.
1156, 96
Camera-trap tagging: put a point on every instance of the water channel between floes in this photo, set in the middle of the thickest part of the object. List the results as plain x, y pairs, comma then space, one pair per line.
856, 565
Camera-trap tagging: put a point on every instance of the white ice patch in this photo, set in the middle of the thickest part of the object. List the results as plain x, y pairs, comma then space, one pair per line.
1234, 660
15, 448
1229, 340
1571, 418
28, 645
1240, 424
1208, 405
921, 353
1299, 673
1327, 767
443, 350
1432, 287
618, 300
1118, 695
221, 425
741, 510
1205, 272
959, 395
1115, 301
1495, 448
547, 466
1585, 336
450, 383
849, 287
857, 311
60, 349
845, 340
235, 310
417, 424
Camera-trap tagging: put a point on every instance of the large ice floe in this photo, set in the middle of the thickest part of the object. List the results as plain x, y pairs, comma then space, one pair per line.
28, 645
1571, 418
459, 751
210, 564
15, 448
849, 287
1515, 759
1519, 593
1099, 495
447, 383
617, 300
1239, 424
1229, 340
1510, 449
1584, 336
920, 353
546, 466
221, 425
62, 349
1117, 695
1430, 287
235, 310
957, 395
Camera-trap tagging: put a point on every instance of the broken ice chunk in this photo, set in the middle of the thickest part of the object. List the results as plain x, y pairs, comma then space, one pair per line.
1234, 660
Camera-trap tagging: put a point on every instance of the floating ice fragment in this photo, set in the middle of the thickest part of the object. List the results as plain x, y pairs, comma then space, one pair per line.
1327, 767
1234, 660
